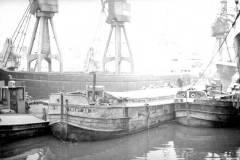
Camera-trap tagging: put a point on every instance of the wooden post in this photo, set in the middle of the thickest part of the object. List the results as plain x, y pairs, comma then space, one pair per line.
126, 120
94, 85
147, 114
221, 88
61, 101
67, 108
125, 112
8, 98
44, 117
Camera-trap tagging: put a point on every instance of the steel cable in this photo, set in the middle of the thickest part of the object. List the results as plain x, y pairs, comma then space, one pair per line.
14, 36
217, 52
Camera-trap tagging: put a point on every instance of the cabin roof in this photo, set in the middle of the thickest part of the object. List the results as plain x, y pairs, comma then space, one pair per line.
140, 94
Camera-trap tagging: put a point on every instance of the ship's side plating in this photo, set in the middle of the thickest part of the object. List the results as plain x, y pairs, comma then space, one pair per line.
41, 84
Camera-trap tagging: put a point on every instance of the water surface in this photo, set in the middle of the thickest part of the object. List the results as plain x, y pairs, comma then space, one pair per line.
168, 141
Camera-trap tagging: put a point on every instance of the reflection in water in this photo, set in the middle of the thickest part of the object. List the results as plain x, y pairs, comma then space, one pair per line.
169, 141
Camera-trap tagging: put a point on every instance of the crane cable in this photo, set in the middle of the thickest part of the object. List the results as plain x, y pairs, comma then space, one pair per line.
100, 23
217, 52
23, 22
94, 42
14, 36
95, 38
23, 35
98, 28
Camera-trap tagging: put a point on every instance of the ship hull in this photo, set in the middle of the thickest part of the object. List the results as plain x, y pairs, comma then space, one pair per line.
67, 131
76, 128
225, 73
207, 113
40, 85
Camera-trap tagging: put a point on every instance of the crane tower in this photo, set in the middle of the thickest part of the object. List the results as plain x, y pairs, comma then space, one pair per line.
118, 14
221, 27
44, 11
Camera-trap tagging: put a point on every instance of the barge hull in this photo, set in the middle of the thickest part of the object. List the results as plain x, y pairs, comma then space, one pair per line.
70, 132
196, 122
203, 115
93, 129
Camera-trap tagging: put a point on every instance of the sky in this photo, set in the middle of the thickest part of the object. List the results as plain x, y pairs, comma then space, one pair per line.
159, 31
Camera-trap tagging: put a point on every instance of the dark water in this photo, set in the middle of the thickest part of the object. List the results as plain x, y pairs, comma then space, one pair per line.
168, 141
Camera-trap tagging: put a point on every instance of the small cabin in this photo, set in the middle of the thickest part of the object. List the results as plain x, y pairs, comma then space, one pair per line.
12, 98
190, 95
50, 6
119, 10
95, 94
90, 96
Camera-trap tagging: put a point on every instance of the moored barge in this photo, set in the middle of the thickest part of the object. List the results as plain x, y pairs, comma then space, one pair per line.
15, 122
113, 114
195, 108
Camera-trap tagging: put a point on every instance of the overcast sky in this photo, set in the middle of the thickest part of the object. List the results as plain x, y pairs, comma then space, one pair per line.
159, 29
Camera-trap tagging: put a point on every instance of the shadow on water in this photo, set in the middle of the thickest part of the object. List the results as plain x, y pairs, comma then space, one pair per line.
169, 141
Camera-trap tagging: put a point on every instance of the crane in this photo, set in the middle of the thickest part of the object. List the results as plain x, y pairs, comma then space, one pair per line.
91, 65
44, 11
10, 54
221, 27
118, 13
8, 58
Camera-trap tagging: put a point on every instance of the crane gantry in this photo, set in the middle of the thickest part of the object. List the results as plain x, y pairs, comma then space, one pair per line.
44, 11
118, 13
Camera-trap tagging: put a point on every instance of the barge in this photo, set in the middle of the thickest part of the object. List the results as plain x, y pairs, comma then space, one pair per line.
195, 108
77, 116
15, 122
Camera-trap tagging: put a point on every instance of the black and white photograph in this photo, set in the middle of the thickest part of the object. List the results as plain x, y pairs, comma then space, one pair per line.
119, 80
